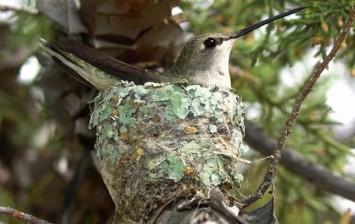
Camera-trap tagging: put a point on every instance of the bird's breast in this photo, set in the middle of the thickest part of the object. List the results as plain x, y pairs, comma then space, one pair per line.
212, 78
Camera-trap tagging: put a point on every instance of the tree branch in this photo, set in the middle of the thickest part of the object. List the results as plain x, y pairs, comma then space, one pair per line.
272, 168
316, 174
22, 216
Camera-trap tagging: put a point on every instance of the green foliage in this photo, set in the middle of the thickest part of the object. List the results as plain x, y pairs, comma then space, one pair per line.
13, 110
29, 28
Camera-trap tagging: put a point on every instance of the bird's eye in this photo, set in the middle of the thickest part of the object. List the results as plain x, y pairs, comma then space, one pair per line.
210, 42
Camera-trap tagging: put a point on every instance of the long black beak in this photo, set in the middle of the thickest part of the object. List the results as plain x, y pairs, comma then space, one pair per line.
247, 30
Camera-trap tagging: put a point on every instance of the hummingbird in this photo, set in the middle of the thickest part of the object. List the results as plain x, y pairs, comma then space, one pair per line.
204, 60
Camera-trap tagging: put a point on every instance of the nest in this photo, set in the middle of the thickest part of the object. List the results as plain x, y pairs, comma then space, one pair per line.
160, 141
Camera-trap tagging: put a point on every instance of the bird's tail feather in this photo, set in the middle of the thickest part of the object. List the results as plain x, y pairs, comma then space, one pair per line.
79, 69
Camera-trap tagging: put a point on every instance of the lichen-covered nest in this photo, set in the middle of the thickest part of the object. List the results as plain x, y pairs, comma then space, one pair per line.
159, 141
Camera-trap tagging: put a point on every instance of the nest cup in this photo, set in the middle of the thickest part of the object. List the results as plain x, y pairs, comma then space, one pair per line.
159, 141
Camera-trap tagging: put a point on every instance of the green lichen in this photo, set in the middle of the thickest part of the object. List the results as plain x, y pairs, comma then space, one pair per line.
111, 133
197, 107
162, 94
108, 132
105, 112
216, 98
125, 114
212, 128
141, 91
123, 92
123, 129
197, 91
176, 167
109, 95
178, 106
112, 153
213, 172
179, 89
193, 149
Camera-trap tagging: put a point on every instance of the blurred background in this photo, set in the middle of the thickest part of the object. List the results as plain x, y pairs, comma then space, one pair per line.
47, 167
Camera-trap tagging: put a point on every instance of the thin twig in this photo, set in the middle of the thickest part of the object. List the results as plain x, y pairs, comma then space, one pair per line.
272, 168
316, 174
22, 216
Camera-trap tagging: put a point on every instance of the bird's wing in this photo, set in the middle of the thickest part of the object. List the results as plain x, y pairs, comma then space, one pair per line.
98, 69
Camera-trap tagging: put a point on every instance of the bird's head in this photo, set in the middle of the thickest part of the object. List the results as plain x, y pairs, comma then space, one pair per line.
204, 59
